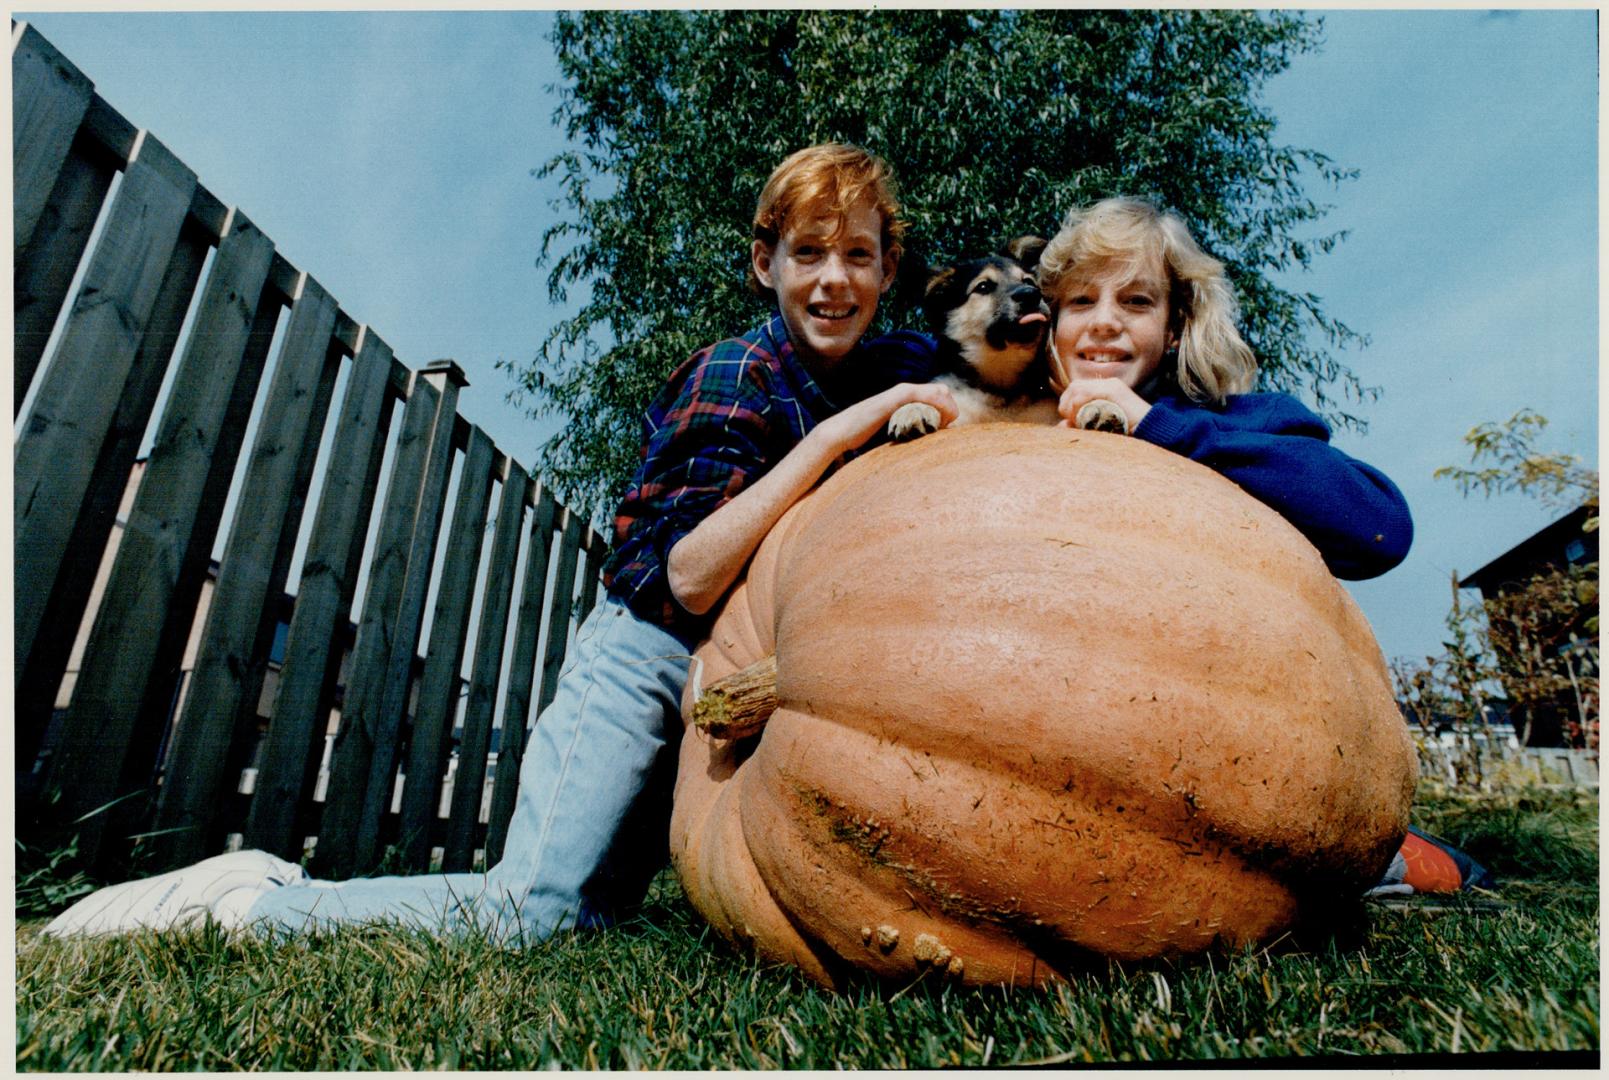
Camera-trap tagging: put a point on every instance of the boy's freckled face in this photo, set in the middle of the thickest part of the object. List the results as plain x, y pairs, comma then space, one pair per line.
828, 274
1114, 325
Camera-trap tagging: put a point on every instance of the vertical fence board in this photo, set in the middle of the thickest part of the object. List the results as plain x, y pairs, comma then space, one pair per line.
103, 491
444, 659
160, 539
560, 608
44, 269
388, 633
161, 696
521, 670
84, 770
483, 676
227, 681
130, 276
49, 97
355, 739
329, 580
562, 605
597, 550
377, 795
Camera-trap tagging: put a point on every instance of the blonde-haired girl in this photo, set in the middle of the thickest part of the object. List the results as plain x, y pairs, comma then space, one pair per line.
1142, 317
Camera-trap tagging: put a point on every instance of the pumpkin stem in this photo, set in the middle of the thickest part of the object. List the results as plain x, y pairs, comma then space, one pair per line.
740, 704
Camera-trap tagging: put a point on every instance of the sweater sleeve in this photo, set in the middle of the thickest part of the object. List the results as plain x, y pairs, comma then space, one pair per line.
717, 439
1279, 451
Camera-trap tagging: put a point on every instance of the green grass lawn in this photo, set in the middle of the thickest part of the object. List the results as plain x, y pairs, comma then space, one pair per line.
662, 992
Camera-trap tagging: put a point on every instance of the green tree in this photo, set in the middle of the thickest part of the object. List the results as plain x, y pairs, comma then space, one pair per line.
1504, 457
1540, 634
995, 121
1536, 638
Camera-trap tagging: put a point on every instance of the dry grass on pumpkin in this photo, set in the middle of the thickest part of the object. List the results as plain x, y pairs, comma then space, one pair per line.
660, 992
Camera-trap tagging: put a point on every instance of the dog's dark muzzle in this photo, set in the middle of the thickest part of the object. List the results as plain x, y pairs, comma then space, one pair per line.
1020, 302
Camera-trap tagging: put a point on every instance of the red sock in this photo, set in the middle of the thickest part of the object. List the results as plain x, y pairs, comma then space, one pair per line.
1429, 868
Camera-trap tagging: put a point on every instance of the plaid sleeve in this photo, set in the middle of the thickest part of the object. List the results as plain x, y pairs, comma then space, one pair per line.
708, 436
726, 416
723, 430
714, 439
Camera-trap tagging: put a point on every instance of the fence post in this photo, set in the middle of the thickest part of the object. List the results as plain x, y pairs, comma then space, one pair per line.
45, 266
217, 727
562, 606
74, 454
444, 658
289, 767
521, 671
49, 97
130, 666
388, 634
483, 675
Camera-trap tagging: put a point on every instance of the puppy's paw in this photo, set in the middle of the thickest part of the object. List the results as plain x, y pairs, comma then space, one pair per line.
912, 421
1099, 415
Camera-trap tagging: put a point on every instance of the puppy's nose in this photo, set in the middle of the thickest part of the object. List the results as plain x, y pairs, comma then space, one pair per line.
1026, 295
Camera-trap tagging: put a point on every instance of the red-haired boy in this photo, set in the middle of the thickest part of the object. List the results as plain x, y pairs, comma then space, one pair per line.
741, 431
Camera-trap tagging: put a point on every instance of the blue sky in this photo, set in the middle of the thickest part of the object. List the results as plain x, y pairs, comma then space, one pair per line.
389, 154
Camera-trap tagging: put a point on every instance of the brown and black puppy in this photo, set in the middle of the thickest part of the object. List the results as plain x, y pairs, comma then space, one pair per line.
990, 319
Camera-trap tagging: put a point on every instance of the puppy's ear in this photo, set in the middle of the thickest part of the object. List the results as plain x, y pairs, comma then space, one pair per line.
940, 277
1027, 249
935, 301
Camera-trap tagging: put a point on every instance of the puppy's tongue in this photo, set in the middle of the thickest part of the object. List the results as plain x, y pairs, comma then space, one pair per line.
1031, 317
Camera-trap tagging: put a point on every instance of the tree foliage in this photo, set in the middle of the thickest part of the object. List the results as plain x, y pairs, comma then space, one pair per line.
995, 122
1504, 457
1546, 657
1536, 639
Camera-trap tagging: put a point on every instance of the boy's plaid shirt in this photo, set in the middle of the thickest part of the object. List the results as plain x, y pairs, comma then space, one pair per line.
726, 416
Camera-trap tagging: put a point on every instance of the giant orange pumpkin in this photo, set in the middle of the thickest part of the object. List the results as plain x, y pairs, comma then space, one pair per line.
1042, 693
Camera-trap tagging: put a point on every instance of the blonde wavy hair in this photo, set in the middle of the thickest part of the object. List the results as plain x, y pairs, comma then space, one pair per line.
826, 180
1122, 236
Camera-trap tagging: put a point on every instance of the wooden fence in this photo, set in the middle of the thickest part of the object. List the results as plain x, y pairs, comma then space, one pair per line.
107, 754
1485, 764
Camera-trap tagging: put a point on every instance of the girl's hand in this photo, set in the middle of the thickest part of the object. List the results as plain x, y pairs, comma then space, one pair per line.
851, 428
1081, 391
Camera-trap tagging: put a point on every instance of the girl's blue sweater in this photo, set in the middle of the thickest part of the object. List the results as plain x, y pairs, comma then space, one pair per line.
1277, 450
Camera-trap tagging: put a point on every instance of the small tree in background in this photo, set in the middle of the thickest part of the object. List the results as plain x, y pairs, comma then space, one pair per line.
1542, 633
1537, 639
1546, 659
1428, 695
996, 122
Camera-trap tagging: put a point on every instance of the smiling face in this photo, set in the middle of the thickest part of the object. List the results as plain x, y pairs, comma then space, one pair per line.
1113, 323
828, 273
990, 314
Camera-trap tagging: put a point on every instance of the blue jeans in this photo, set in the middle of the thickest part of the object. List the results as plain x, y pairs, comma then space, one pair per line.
591, 819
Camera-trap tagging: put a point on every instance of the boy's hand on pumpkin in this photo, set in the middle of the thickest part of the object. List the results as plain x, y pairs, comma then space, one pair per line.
701, 566
1081, 392
851, 428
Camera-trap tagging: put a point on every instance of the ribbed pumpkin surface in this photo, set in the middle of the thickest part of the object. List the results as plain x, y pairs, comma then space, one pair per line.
1042, 692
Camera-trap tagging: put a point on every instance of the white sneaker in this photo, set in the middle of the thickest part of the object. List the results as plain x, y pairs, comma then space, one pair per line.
179, 897
1399, 889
